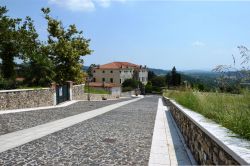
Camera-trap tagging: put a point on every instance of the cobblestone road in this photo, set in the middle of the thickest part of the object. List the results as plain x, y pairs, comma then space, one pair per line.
120, 137
22, 120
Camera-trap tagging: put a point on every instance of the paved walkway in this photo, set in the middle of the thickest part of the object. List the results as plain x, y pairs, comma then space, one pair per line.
12, 122
118, 134
167, 146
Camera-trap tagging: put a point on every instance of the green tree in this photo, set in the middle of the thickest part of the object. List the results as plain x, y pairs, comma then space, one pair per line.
149, 87
89, 71
175, 77
66, 48
39, 69
132, 83
151, 75
158, 81
17, 39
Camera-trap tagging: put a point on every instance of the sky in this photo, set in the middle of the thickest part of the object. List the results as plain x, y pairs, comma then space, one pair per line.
157, 33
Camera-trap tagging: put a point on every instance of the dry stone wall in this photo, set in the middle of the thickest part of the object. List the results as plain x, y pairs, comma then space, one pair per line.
206, 148
78, 92
16, 99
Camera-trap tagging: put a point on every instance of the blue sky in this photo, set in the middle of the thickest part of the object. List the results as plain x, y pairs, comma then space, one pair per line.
157, 33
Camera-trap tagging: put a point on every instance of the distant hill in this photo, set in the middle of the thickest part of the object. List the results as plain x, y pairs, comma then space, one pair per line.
85, 68
159, 71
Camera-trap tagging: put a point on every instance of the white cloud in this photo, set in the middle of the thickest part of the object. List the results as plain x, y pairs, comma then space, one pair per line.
104, 3
83, 5
198, 44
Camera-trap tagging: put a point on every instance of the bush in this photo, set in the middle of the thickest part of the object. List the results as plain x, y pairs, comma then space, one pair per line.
126, 89
148, 87
7, 84
130, 83
159, 81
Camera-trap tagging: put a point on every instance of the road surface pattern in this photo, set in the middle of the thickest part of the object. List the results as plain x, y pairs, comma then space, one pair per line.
122, 136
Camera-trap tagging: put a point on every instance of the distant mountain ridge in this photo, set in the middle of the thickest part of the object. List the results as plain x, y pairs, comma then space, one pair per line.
159, 71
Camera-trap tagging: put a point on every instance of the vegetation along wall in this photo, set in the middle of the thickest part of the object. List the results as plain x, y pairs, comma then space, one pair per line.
209, 143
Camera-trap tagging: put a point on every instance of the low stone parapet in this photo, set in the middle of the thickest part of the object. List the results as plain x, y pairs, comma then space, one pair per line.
210, 143
26, 98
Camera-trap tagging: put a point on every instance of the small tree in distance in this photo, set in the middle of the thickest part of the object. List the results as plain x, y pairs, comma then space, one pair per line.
173, 78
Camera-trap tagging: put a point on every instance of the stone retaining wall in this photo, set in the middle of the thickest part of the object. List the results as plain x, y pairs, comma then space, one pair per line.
78, 92
15, 99
209, 143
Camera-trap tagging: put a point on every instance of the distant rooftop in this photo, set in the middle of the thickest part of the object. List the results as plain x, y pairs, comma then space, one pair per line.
118, 65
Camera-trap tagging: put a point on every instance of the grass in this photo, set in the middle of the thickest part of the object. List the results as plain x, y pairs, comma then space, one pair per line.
95, 91
229, 110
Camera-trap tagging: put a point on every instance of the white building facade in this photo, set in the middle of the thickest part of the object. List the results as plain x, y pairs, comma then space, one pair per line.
118, 72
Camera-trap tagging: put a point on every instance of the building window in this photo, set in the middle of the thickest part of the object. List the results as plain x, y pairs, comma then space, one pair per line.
103, 71
120, 81
120, 71
93, 79
111, 80
94, 71
103, 79
111, 71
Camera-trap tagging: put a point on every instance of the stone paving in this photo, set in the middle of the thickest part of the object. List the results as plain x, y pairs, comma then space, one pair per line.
22, 120
120, 137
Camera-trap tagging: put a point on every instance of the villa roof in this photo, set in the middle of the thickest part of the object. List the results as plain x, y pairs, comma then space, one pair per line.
118, 65
101, 84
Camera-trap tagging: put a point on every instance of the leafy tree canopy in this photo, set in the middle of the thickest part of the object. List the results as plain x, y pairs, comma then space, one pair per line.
17, 39
66, 47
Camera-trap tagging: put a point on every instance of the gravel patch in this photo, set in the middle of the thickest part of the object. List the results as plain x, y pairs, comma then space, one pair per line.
22, 120
120, 137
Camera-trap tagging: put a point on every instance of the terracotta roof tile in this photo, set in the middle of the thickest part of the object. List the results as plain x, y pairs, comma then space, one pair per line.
118, 65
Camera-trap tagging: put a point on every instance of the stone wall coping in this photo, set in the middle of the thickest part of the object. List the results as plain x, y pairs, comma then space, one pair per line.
79, 85
238, 148
21, 90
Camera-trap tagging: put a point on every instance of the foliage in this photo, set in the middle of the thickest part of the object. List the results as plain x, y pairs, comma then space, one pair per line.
133, 83
89, 71
173, 78
39, 70
65, 48
127, 89
151, 75
7, 84
158, 81
149, 87
230, 110
17, 39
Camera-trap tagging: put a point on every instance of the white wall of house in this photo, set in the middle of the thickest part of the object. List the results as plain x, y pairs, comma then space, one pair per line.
107, 75
143, 76
126, 74
118, 76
